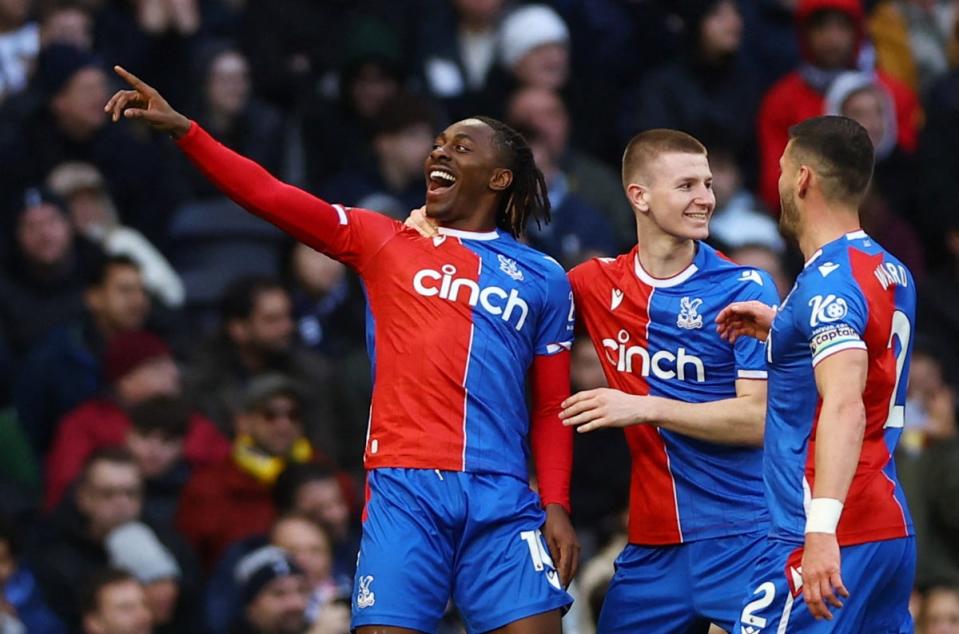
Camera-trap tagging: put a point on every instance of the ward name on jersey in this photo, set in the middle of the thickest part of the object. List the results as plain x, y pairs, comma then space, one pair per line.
658, 337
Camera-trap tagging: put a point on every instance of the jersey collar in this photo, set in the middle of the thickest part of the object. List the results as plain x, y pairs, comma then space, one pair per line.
469, 235
852, 235
667, 282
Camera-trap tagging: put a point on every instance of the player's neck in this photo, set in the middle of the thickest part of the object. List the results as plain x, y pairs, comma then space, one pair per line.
662, 255
828, 225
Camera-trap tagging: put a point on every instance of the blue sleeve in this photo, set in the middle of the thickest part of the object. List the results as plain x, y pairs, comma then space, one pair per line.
555, 331
750, 353
831, 312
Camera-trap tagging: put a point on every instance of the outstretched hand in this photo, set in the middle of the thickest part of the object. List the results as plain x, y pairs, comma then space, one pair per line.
145, 103
752, 319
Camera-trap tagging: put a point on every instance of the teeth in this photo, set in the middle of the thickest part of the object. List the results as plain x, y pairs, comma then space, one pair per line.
443, 175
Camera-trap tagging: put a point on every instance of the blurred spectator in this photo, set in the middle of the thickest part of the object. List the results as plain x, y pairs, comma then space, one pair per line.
20, 489
891, 199
576, 230
156, 439
394, 182
231, 500
769, 36
66, 23
543, 110
762, 257
69, 547
940, 611
913, 39
711, 89
114, 602
95, 217
831, 38
324, 496
134, 547
458, 54
41, 286
69, 124
65, 368
738, 219
309, 546
938, 163
337, 134
534, 47
257, 335
938, 307
275, 593
138, 366
19, 45
229, 111
21, 601
328, 303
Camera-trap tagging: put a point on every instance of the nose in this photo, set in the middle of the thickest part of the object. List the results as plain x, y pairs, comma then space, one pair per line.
439, 152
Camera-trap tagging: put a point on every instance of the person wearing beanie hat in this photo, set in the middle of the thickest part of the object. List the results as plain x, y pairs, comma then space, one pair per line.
534, 46
137, 366
274, 593
134, 547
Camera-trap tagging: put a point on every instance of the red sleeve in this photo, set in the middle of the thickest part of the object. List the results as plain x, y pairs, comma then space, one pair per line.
772, 135
350, 235
552, 442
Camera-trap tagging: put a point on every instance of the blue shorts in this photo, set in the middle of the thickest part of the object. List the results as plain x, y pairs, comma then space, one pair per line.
681, 588
878, 575
430, 536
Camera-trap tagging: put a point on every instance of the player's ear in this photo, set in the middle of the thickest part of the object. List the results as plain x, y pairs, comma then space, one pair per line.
501, 179
638, 196
803, 180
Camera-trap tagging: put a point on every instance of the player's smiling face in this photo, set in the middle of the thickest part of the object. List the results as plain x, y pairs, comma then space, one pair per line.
679, 194
462, 170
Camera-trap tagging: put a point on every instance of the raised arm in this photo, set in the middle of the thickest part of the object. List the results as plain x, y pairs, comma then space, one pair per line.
307, 218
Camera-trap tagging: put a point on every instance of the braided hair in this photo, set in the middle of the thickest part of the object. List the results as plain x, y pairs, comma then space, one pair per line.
527, 196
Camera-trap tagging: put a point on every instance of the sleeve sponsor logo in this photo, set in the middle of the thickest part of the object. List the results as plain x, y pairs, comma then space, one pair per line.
826, 310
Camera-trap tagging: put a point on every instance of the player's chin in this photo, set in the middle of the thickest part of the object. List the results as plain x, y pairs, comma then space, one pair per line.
696, 227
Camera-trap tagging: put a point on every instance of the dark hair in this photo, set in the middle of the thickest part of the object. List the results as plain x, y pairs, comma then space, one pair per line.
527, 196
89, 593
646, 146
239, 299
116, 454
100, 269
168, 416
293, 478
843, 151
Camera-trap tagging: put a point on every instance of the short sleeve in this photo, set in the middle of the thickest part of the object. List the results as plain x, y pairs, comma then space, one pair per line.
832, 315
555, 332
750, 353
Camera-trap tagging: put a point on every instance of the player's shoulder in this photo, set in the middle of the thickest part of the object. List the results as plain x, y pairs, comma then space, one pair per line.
367, 218
728, 278
513, 257
597, 268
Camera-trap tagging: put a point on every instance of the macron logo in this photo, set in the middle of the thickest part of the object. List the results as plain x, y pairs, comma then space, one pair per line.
751, 276
617, 299
827, 268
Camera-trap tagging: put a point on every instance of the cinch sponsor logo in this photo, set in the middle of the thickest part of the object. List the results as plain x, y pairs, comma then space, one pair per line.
662, 364
493, 299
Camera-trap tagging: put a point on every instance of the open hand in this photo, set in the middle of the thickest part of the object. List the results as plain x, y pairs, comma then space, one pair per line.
420, 221
145, 103
605, 407
752, 319
821, 581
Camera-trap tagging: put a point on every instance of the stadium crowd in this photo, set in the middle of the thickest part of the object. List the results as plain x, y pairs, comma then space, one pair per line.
184, 390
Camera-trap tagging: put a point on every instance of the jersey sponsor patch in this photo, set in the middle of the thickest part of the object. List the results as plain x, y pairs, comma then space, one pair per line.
827, 309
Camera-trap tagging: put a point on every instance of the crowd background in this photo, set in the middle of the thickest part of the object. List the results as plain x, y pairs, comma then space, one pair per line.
184, 390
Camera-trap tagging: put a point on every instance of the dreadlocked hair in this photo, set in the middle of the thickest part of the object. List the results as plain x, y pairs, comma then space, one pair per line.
527, 196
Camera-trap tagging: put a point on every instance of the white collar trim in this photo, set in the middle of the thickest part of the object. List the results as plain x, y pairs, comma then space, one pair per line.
468, 235
668, 282
856, 235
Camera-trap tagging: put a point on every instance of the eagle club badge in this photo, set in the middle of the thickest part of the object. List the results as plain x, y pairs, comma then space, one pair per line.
689, 317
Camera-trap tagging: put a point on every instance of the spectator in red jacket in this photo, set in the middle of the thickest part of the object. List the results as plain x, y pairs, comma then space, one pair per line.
138, 366
233, 499
831, 39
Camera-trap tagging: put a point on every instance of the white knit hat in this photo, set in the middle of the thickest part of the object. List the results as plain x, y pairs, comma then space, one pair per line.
134, 547
529, 27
